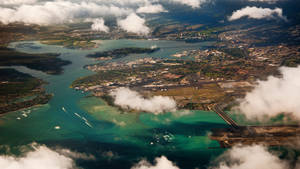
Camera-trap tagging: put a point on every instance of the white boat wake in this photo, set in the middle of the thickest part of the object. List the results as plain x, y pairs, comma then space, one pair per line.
84, 119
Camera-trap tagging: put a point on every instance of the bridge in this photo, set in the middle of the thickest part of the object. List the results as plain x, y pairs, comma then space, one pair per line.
216, 108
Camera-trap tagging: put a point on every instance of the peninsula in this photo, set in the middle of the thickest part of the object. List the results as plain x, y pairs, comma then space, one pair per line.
122, 52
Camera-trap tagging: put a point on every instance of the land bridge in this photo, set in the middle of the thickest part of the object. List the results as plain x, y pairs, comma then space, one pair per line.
217, 108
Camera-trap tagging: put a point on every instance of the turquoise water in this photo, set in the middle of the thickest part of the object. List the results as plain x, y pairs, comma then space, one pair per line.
88, 125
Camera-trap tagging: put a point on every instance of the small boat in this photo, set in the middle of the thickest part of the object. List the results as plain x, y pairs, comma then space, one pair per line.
84, 118
88, 124
77, 115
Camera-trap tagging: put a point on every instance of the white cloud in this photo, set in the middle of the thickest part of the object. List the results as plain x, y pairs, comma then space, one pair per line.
41, 157
160, 163
47, 12
17, 2
123, 2
120, 3
75, 155
135, 24
150, 8
250, 157
191, 3
267, 1
98, 25
59, 12
274, 96
127, 98
257, 13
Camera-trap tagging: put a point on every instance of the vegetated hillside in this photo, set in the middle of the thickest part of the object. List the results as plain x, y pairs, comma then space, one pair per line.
49, 63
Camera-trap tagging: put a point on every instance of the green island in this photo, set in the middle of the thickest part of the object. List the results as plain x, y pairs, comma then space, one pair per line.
71, 43
123, 52
19, 91
48, 63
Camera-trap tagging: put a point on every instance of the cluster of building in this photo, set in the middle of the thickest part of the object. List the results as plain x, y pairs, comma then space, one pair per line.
274, 55
121, 65
201, 55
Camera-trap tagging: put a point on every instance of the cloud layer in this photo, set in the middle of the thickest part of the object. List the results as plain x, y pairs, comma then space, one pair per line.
266, 1
98, 25
247, 157
257, 13
160, 163
129, 99
52, 12
61, 12
17, 2
274, 96
191, 3
237, 157
134, 24
150, 8
58, 12
41, 157
45, 12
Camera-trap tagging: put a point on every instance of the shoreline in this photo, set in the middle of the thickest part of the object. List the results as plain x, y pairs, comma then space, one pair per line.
22, 109
39, 100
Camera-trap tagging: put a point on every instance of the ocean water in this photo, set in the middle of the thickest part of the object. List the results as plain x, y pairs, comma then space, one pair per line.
88, 125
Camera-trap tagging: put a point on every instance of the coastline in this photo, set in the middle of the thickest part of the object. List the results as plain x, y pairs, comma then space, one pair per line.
26, 104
